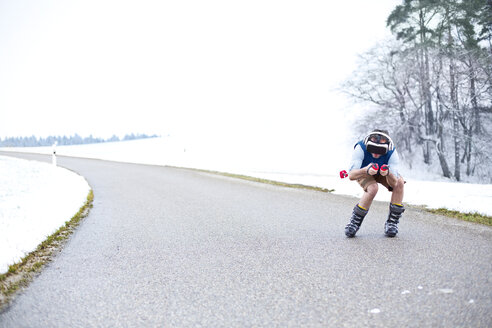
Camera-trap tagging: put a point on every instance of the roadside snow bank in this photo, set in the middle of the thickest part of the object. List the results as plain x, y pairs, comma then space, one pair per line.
35, 200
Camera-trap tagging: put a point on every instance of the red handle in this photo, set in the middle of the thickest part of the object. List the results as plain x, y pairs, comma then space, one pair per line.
375, 166
384, 167
343, 174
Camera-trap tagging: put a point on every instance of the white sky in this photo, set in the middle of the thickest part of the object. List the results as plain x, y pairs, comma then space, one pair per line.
224, 69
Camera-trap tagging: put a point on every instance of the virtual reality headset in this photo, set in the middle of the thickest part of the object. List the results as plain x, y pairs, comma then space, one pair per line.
378, 143
375, 148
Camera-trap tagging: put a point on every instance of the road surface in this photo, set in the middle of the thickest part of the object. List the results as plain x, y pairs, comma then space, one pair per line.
167, 247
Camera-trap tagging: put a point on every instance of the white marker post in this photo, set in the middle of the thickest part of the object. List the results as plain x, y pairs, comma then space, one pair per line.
53, 156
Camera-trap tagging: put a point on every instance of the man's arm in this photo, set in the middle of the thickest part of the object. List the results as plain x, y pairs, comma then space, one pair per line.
393, 164
358, 173
355, 171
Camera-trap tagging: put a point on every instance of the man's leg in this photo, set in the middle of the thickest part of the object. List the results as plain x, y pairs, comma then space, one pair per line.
398, 190
396, 209
369, 195
360, 210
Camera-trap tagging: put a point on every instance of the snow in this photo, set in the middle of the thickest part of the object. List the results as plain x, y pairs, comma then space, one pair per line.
35, 200
29, 186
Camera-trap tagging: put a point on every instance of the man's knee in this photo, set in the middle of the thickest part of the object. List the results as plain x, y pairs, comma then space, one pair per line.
372, 189
400, 183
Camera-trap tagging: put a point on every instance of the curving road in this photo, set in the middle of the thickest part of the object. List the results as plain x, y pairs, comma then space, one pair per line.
167, 247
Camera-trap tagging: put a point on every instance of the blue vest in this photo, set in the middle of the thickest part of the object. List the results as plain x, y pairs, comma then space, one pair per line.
368, 159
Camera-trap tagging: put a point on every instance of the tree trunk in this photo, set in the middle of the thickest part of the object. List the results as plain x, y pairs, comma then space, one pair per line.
425, 83
456, 126
454, 108
457, 163
473, 96
423, 96
441, 153
440, 118
469, 154
428, 97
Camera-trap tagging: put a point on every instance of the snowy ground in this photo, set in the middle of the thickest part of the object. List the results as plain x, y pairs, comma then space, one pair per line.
30, 189
35, 200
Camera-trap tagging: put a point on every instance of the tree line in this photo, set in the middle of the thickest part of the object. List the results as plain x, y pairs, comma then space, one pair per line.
76, 139
431, 84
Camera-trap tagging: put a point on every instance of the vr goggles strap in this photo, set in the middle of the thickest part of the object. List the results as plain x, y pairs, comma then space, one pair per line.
388, 147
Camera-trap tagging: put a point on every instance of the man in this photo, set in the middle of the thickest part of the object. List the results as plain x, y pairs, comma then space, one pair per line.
375, 161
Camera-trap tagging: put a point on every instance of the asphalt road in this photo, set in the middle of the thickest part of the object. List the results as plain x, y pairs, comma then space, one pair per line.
167, 247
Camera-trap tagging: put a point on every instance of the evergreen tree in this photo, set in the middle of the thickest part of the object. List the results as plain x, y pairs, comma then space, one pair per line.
434, 87
413, 23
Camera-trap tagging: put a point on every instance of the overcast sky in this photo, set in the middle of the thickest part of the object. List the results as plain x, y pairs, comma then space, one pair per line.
215, 68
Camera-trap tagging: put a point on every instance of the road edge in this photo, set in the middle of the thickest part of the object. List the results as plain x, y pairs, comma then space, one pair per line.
22, 273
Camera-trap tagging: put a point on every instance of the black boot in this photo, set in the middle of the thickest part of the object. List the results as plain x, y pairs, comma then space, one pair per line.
391, 225
358, 215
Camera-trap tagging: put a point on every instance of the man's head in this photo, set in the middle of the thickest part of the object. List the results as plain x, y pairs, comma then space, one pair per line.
378, 142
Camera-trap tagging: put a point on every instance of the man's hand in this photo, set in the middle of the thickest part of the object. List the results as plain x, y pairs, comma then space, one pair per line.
384, 170
373, 169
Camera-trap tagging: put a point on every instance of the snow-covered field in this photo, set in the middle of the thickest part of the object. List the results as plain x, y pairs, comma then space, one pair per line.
32, 194
35, 200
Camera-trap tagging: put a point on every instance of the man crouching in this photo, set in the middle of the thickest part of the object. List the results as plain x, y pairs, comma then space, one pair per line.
375, 161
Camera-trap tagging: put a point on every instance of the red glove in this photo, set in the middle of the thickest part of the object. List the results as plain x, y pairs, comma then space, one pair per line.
373, 169
384, 170
343, 174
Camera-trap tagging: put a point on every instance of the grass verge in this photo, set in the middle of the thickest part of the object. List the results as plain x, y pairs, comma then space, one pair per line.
20, 274
271, 182
470, 217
